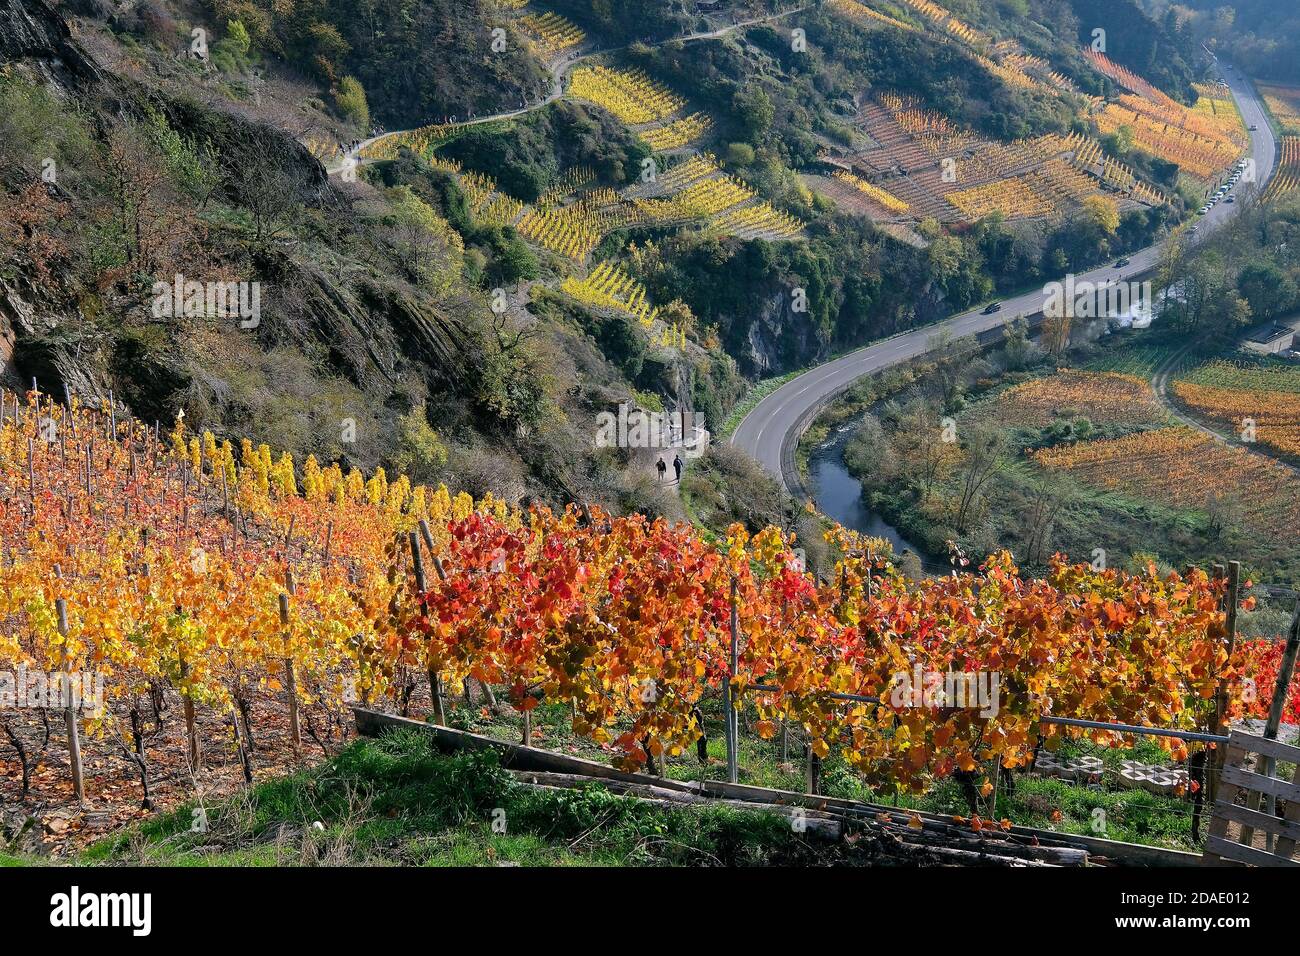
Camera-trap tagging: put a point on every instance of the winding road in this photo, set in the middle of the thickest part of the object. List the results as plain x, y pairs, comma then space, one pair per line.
771, 431
559, 70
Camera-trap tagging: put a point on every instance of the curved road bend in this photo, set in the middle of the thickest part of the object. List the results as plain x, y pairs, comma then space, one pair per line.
772, 429
559, 71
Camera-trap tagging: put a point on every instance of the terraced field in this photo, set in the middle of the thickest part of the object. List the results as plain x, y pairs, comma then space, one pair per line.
1254, 400
921, 165
1284, 103
1103, 398
1190, 470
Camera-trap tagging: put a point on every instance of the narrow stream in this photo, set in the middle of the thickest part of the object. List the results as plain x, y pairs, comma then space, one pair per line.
839, 495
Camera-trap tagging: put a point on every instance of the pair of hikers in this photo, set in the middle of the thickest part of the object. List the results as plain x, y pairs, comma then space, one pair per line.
661, 466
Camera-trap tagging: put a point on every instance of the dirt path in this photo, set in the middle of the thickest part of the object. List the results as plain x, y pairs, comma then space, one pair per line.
1160, 385
559, 70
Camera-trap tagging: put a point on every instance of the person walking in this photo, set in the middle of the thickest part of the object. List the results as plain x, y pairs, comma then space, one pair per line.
677, 467
661, 468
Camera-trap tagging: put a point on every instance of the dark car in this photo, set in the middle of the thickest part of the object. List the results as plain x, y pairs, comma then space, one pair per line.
992, 307
1123, 262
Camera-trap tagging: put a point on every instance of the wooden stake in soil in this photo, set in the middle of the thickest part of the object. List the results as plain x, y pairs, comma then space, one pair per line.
70, 709
290, 678
427, 535
191, 731
729, 707
1285, 670
435, 686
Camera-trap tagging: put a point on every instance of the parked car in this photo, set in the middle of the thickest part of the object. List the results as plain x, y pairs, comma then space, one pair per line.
1231, 199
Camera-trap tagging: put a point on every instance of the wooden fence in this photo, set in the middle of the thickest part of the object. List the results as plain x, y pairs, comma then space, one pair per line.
1250, 833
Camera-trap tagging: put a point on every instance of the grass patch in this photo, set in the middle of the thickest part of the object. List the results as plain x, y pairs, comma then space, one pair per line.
396, 801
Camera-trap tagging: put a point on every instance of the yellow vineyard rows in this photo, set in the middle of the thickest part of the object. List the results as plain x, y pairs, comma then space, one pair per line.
1046, 173
1215, 104
914, 118
1198, 155
550, 33
1287, 178
1011, 75
677, 134
690, 171
1222, 126
1284, 103
728, 203
709, 197
572, 231
947, 21
758, 221
1104, 398
609, 287
861, 13
569, 183
1126, 77
1186, 469
486, 203
1011, 197
419, 141
1062, 82
882, 196
1274, 415
629, 94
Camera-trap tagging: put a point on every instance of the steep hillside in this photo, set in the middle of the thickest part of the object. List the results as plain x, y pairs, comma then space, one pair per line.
655, 207
1261, 36
417, 59
127, 161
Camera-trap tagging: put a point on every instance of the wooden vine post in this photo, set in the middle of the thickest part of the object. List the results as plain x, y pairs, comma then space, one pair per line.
427, 535
1285, 670
290, 677
1232, 602
70, 707
729, 705
187, 701
435, 687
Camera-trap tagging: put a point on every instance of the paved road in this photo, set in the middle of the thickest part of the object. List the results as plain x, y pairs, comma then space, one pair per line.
771, 431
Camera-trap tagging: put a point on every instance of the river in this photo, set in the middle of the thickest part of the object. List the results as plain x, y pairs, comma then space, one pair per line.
839, 495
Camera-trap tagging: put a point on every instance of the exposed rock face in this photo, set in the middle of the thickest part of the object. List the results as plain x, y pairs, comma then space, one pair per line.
33, 31
779, 338
377, 335
776, 339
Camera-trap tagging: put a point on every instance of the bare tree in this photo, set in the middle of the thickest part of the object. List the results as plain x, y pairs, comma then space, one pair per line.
1045, 504
268, 193
984, 458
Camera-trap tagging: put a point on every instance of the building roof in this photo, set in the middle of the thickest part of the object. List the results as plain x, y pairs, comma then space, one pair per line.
1267, 334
